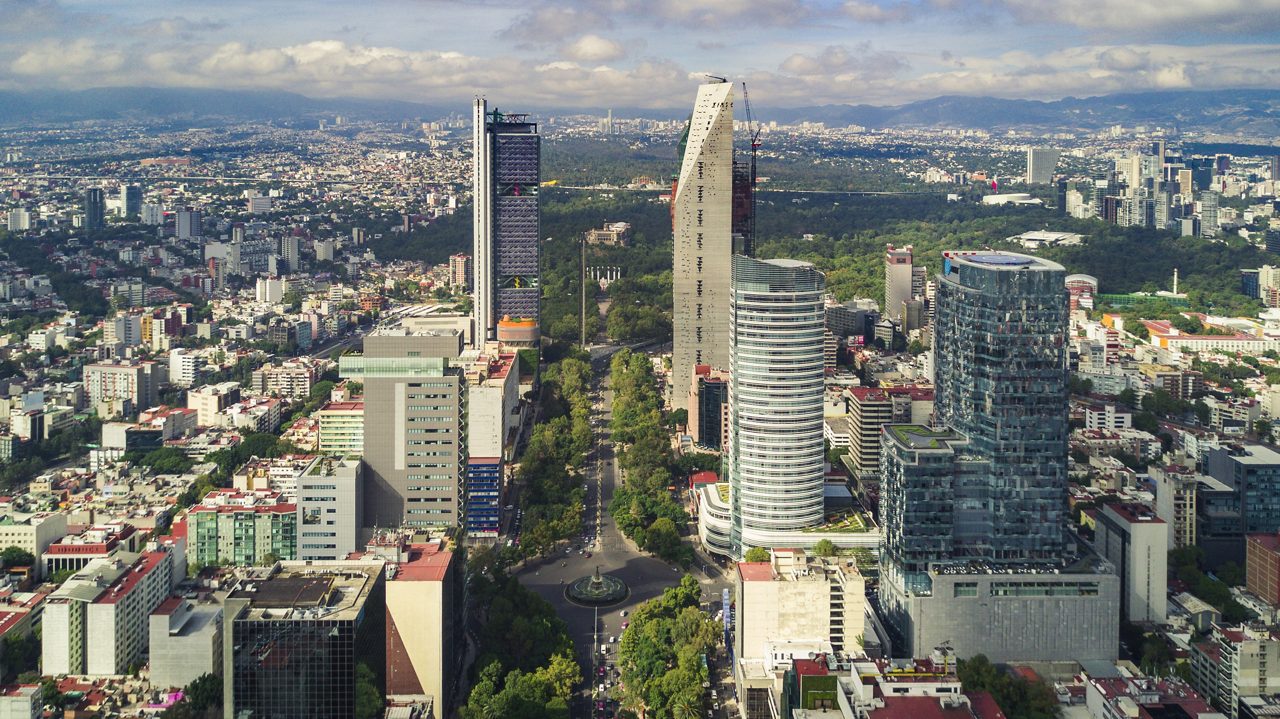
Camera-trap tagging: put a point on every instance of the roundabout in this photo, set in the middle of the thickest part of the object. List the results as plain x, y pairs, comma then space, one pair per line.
597, 590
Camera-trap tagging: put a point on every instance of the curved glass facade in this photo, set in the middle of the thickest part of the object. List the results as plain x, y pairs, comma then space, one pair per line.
775, 399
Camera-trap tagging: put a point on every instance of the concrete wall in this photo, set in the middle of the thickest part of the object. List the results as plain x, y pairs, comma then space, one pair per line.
1013, 629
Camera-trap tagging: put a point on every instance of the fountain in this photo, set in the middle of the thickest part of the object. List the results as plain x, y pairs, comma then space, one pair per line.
597, 590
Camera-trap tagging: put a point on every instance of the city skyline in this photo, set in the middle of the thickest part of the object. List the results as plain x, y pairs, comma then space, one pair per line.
622, 53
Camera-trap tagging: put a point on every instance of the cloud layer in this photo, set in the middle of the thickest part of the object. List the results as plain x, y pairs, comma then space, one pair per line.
648, 54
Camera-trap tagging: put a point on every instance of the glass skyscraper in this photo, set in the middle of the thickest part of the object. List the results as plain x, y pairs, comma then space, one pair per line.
976, 551
506, 176
1000, 361
776, 324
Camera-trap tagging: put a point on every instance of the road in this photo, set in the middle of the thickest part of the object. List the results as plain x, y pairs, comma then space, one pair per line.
646, 576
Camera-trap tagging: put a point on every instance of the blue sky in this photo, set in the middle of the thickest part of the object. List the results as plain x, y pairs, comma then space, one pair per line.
645, 53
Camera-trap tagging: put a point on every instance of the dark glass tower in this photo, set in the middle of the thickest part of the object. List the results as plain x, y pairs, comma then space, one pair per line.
95, 209
1001, 373
506, 221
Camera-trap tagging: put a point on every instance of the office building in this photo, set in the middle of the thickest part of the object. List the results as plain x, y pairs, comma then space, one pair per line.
189, 224
330, 498
506, 174
95, 209
96, 622
460, 271
414, 422
1249, 476
708, 408
1041, 162
130, 200
702, 225
798, 597
135, 381
869, 410
1208, 214
1262, 566
300, 642
898, 279
185, 642
341, 430
1136, 541
242, 528
258, 204
975, 549
776, 455
424, 619
1230, 666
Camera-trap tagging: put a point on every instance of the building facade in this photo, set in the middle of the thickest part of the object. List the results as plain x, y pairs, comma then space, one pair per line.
414, 427
976, 550
798, 597
242, 528
776, 454
702, 225
1136, 541
507, 152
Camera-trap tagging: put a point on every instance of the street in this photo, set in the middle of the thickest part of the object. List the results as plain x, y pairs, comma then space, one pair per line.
645, 576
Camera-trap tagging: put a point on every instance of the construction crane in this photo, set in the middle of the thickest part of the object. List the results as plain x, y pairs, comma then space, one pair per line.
717, 78
754, 131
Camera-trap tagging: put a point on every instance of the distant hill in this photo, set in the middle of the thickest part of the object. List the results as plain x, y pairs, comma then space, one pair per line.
1250, 112
1245, 112
109, 103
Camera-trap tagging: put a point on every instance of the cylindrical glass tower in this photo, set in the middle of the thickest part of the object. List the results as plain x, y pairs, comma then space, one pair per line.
775, 457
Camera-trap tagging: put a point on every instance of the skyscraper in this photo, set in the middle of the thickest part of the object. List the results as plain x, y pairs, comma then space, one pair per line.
702, 226
1208, 214
130, 200
1041, 162
898, 278
975, 544
505, 167
414, 443
95, 209
776, 324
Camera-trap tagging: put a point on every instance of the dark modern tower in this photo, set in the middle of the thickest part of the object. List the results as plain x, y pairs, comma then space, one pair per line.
130, 200
95, 209
1000, 361
505, 168
976, 550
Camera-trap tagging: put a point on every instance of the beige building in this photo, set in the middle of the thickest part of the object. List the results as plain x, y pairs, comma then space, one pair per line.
612, 233
341, 427
702, 224
210, 400
423, 622
798, 597
1231, 665
137, 382
414, 420
32, 533
1176, 501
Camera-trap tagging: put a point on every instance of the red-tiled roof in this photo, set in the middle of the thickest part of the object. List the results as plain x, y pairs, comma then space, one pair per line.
755, 571
168, 606
984, 706
130, 579
896, 707
1269, 542
1135, 513
426, 563
705, 477
351, 406
810, 668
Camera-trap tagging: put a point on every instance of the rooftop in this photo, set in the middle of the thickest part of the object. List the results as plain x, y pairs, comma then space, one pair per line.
307, 591
917, 436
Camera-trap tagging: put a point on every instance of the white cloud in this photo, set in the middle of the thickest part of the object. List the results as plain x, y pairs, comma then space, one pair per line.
873, 12
593, 48
1150, 16
55, 59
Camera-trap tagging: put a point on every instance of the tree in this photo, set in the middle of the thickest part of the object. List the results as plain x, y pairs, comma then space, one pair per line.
1128, 397
756, 554
824, 548
369, 701
16, 557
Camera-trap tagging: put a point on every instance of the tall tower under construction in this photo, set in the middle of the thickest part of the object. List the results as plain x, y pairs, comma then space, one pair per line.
505, 167
702, 226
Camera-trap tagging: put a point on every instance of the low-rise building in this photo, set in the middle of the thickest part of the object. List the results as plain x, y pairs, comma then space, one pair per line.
32, 533
185, 642
209, 401
242, 528
798, 596
73, 552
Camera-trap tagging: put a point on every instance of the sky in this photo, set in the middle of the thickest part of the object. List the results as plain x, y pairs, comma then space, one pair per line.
594, 54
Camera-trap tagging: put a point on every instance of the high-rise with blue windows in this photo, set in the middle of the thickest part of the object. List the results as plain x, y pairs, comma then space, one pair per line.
976, 550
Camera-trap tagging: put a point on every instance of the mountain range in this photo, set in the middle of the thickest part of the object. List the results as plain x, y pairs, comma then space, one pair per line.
1249, 113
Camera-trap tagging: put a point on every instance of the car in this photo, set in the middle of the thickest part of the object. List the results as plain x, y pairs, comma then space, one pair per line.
588, 555
613, 639
623, 613
625, 625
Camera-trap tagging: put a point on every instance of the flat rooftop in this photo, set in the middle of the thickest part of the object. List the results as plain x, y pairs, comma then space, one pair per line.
918, 436
302, 591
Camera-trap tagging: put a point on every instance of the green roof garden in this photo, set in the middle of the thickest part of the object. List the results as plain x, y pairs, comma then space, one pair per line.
918, 436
